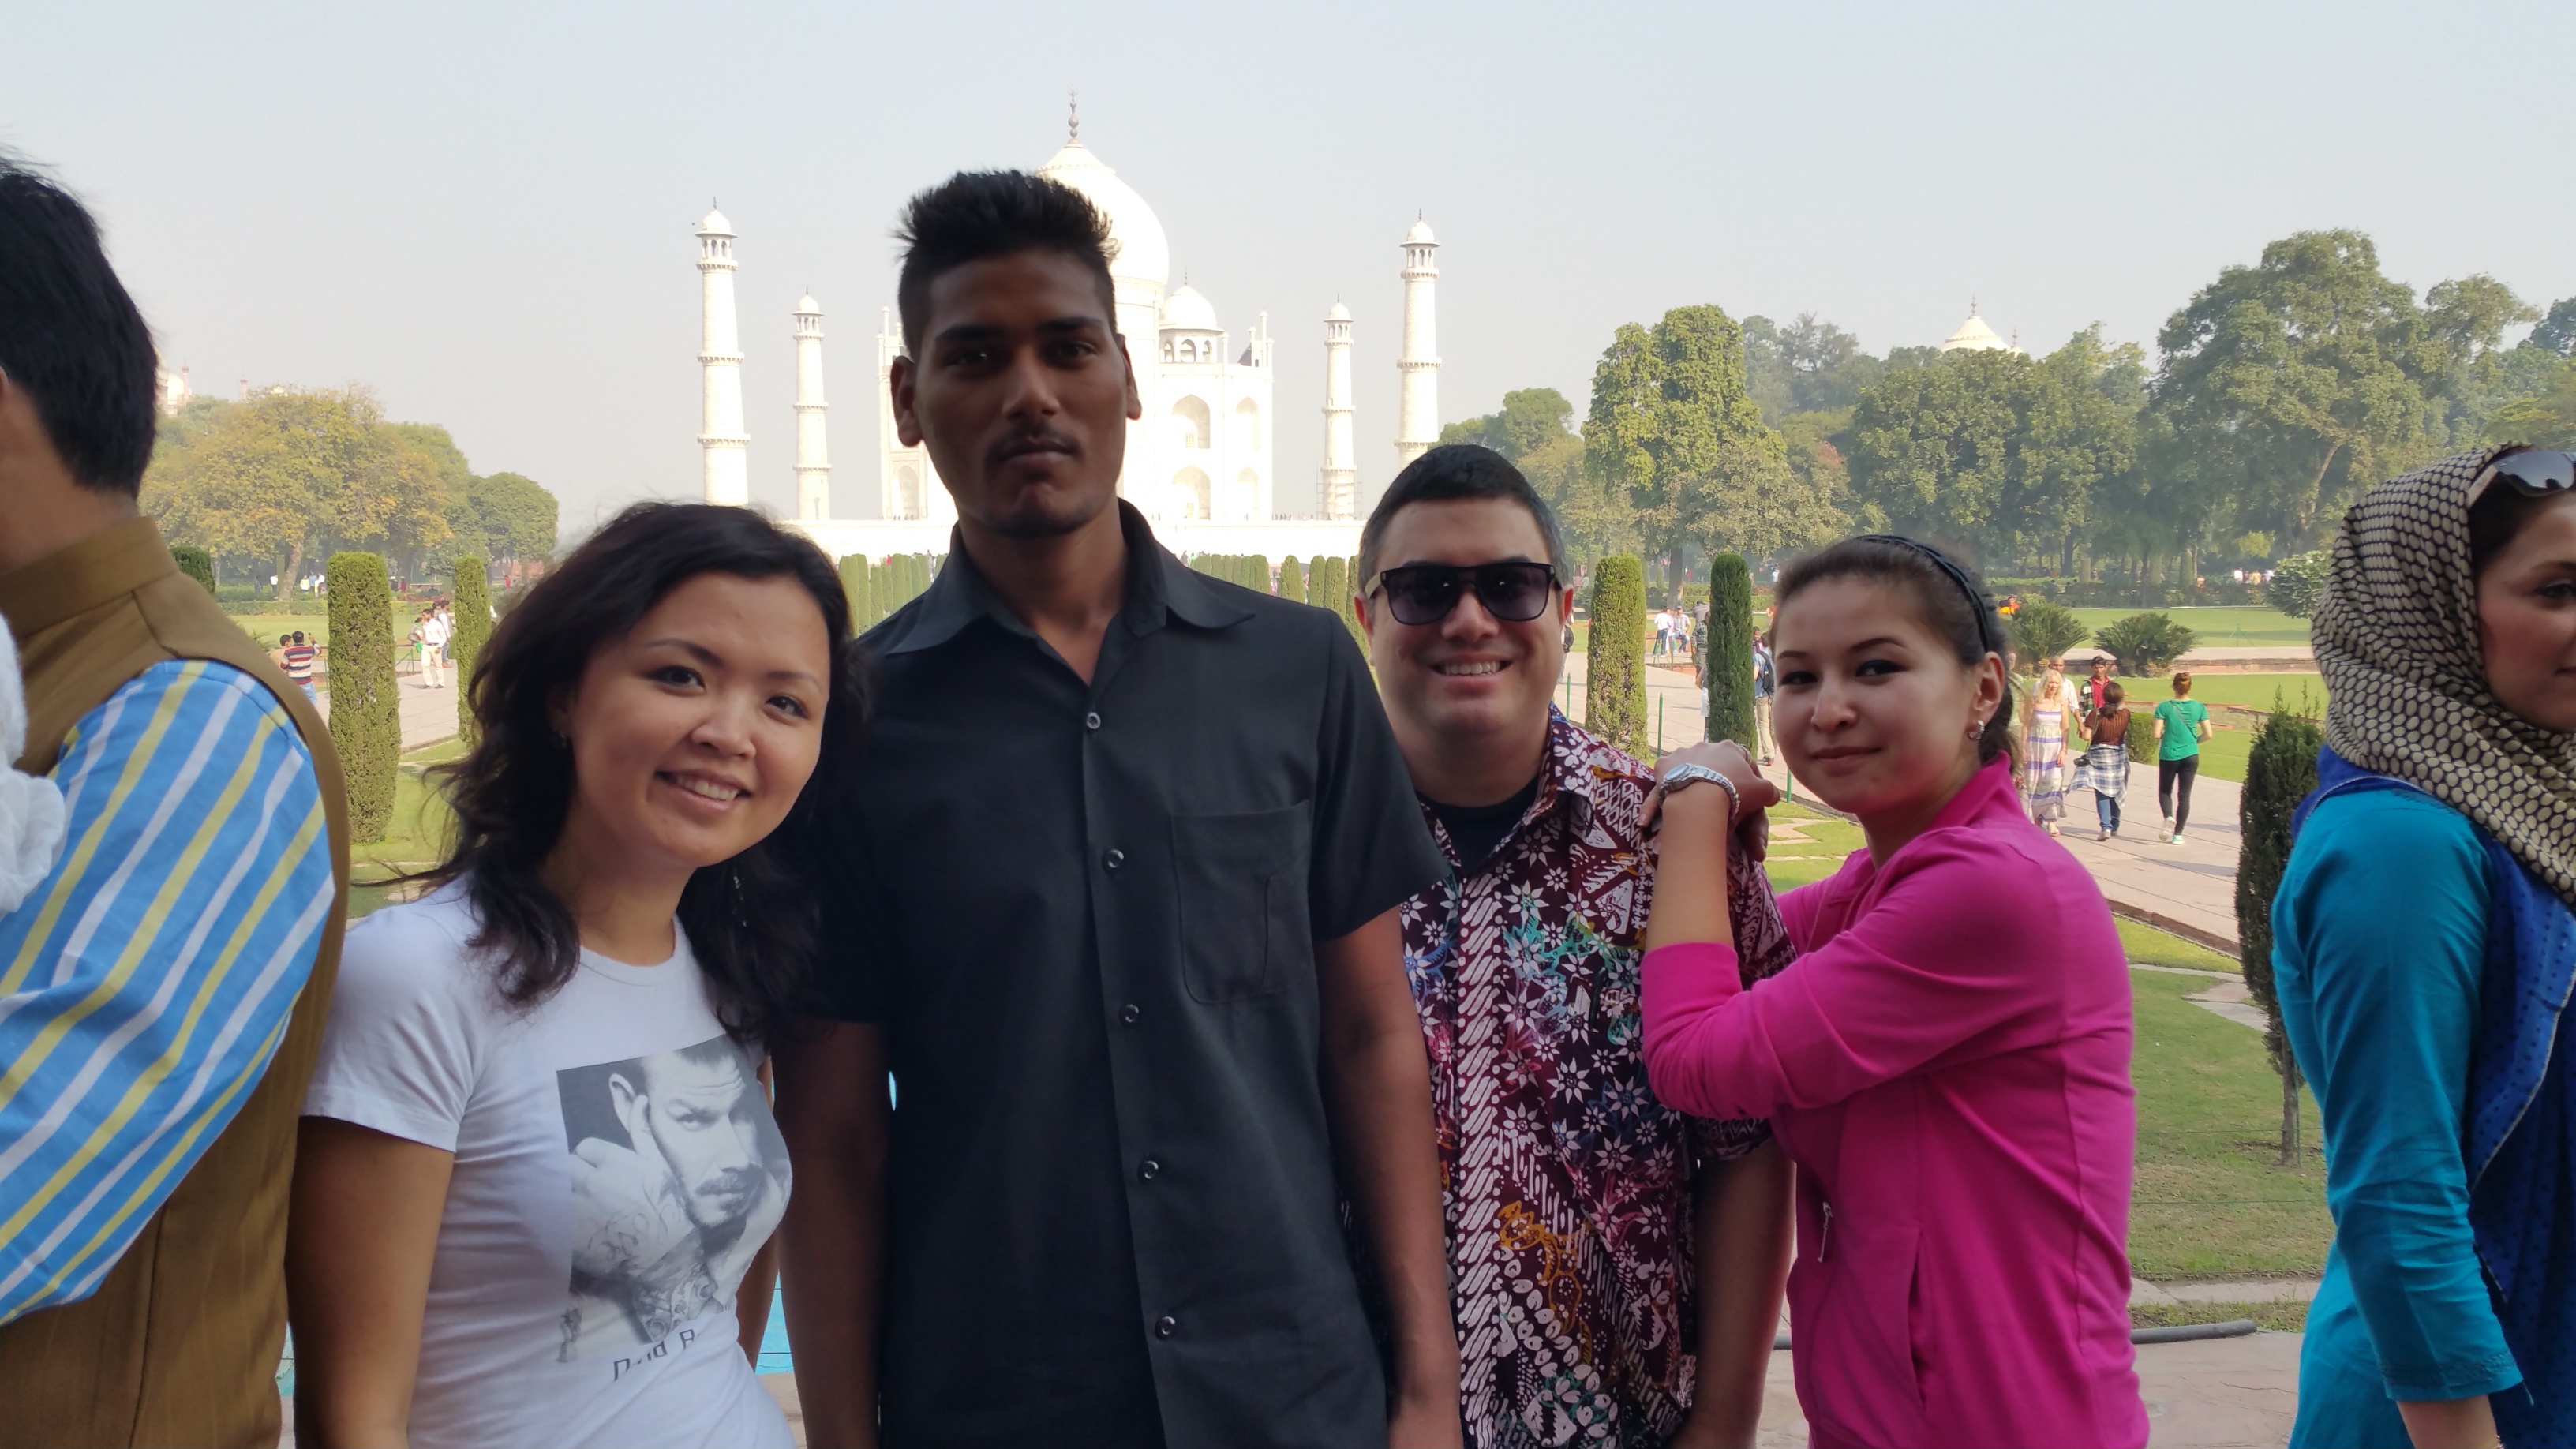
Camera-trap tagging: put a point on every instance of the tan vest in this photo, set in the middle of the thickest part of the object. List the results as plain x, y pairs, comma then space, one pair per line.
180, 1345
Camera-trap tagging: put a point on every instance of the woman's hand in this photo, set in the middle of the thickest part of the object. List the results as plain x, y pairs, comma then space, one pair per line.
1753, 793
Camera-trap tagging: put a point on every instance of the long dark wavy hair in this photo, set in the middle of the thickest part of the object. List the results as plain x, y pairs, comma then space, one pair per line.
751, 920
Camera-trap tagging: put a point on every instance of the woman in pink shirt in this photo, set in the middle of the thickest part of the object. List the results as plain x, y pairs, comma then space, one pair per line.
1948, 1060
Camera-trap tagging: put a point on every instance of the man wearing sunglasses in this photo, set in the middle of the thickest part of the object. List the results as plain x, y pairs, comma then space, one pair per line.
1594, 1235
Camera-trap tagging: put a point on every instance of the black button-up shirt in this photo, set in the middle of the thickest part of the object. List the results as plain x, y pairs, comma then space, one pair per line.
1087, 916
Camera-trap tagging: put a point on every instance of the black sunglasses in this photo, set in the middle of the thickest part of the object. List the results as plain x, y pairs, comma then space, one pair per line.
2531, 472
1426, 593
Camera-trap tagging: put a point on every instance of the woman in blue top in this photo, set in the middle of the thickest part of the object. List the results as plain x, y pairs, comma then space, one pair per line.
2423, 948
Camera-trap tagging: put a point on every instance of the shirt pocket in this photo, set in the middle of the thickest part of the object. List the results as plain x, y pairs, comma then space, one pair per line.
1241, 884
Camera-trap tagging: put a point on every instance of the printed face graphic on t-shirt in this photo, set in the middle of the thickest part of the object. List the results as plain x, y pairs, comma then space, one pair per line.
678, 1177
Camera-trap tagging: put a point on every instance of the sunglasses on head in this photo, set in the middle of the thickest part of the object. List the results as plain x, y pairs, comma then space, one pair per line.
2531, 472
1426, 593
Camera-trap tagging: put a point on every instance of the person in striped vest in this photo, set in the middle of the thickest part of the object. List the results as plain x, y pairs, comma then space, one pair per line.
163, 985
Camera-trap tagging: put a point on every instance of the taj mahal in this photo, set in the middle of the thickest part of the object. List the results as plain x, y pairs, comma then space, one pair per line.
1199, 463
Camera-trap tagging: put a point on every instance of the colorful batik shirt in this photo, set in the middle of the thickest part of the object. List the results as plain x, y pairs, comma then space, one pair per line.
1568, 1186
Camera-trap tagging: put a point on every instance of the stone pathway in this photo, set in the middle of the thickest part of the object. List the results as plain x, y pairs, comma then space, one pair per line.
428, 715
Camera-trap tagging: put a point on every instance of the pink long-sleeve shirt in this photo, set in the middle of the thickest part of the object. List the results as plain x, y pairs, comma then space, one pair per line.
1948, 1064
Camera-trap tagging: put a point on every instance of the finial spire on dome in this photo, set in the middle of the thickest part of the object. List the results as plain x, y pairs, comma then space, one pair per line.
1073, 118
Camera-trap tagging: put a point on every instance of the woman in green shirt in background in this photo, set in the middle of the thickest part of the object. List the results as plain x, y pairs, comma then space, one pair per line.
2182, 722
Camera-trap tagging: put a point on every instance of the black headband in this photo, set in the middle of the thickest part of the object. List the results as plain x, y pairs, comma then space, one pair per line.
1989, 628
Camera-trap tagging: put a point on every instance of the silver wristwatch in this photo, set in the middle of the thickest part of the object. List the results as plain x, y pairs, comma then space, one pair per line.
1682, 777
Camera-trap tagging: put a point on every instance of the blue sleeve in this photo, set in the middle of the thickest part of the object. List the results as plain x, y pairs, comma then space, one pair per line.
2379, 940
146, 982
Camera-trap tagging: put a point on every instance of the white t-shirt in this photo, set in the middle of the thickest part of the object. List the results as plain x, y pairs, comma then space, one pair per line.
435, 631
616, 1169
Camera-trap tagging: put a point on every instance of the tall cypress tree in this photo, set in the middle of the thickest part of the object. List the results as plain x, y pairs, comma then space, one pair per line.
854, 586
1257, 572
196, 563
1614, 685
2280, 769
1292, 579
1324, 589
471, 602
1342, 600
1728, 665
366, 710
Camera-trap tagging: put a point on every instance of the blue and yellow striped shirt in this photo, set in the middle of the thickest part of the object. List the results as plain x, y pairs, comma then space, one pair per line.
146, 983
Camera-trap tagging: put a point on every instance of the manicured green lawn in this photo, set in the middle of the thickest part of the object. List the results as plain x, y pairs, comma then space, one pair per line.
415, 837
2217, 628
2209, 1200
2147, 946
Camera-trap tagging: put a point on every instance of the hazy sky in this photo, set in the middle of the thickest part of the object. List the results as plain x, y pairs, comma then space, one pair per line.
484, 211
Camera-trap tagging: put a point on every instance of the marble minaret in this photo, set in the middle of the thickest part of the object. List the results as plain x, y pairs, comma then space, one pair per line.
721, 438
1340, 493
813, 460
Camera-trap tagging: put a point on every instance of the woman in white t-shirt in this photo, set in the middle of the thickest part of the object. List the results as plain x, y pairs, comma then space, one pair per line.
537, 1159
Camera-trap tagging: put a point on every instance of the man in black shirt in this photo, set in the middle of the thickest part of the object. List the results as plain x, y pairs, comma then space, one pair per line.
1113, 895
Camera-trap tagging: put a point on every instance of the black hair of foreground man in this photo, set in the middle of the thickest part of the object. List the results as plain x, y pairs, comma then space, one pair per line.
71, 335
751, 920
974, 215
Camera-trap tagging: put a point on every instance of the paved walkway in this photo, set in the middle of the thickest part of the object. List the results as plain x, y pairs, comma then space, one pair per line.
428, 715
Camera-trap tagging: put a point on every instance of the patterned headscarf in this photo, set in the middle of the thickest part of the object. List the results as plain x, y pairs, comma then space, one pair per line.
2396, 637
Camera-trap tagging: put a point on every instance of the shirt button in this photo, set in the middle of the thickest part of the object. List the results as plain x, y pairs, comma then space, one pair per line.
1149, 1169
1091, 721
1128, 1014
1166, 1326
1114, 859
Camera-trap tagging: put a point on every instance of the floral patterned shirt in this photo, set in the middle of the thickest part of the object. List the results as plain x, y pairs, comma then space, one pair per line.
1567, 1185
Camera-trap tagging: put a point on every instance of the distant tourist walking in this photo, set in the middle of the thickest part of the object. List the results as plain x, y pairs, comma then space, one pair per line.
1947, 1061
1766, 682
2423, 944
2182, 722
537, 1161
435, 631
2053, 713
2104, 769
298, 657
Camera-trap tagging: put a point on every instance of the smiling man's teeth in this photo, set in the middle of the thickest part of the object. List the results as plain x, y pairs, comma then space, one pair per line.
708, 788
1485, 667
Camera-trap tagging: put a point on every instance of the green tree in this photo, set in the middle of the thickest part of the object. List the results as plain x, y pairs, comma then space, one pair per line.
1257, 571
1328, 585
2299, 583
2288, 385
293, 472
471, 601
854, 586
2280, 770
1728, 664
1674, 436
1593, 521
366, 711
2045, 631
1529, 419
456, 484
1292, 579
196, 563
1350, 585
2556, 333
1614, 684
2546, 418
2143, 644
515, 518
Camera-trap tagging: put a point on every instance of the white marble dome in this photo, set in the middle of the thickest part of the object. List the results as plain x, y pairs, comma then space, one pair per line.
714, 224
808, 306
1419, 234
1339, 313
1144, 255
1186, 310
1973, 336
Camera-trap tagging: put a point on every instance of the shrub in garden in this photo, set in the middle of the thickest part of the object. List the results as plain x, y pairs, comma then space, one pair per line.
1292, 579
366, 712
2298, 582
1256, 572
470, 600
1327, 587
2145, 643
196, 563
1614, 687
2280, 770
1729, 663
854, 586
2045, 631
